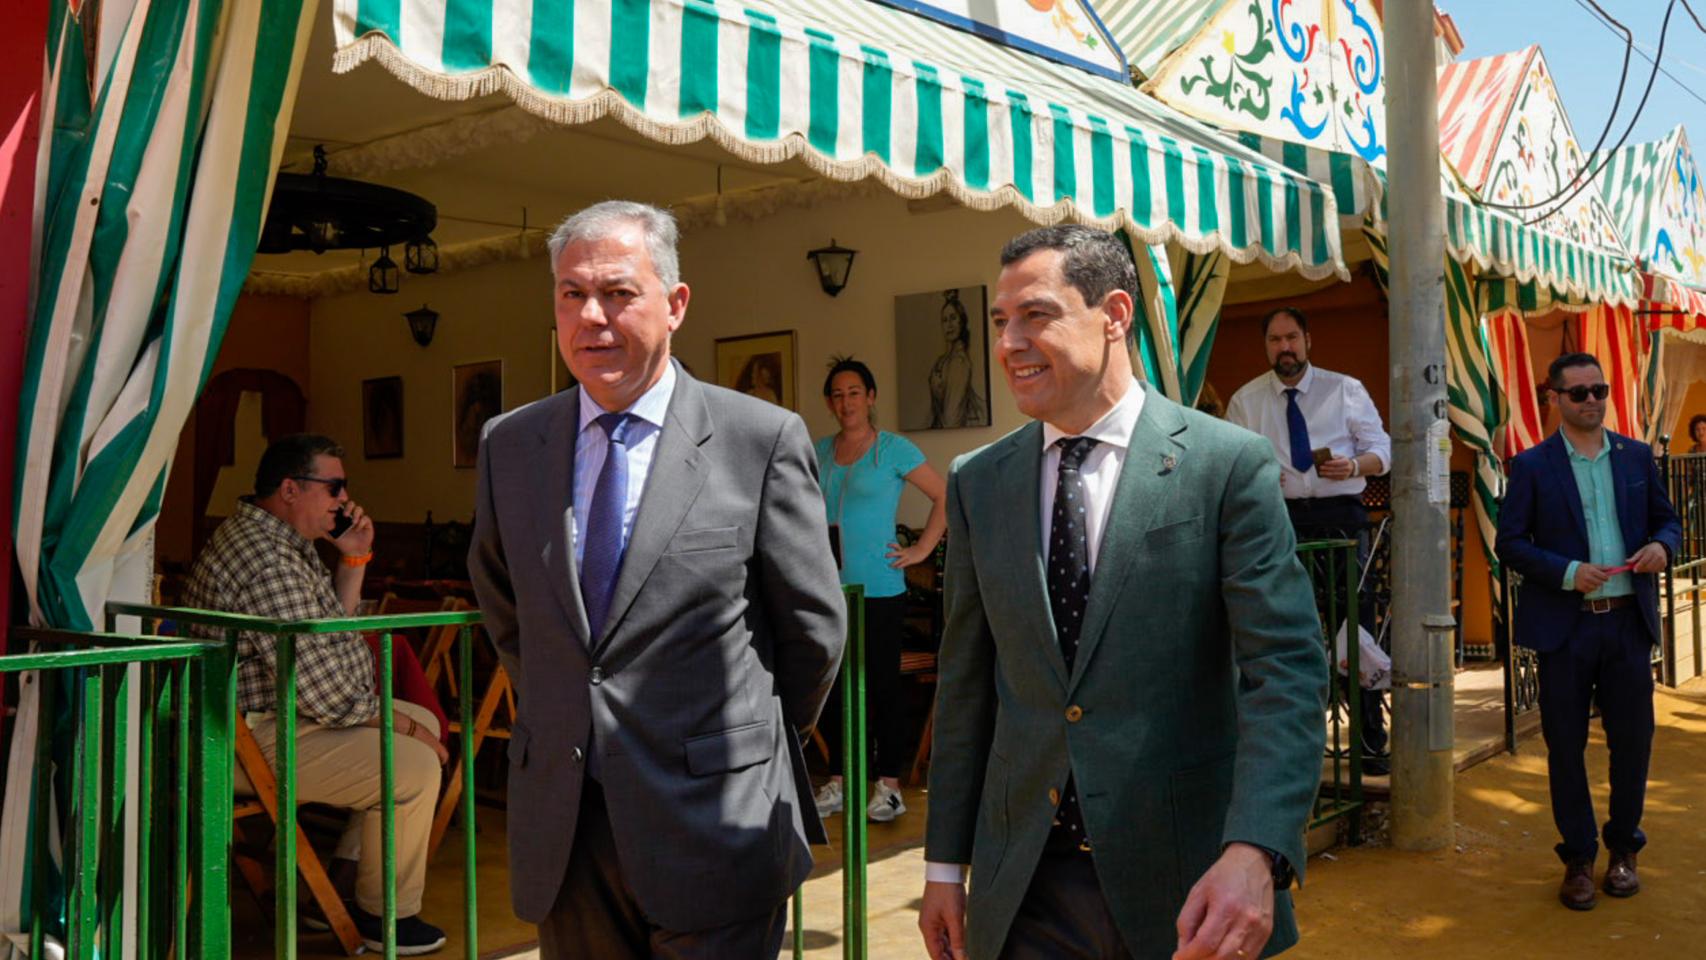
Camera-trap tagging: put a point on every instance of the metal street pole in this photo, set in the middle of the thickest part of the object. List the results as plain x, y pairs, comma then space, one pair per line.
1421, 593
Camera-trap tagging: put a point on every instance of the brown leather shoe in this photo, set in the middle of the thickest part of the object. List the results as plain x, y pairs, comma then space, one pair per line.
1576, 892
1621, 880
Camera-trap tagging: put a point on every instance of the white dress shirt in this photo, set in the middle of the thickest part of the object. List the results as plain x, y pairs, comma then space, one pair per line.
1101, 473
1340, 416
591, 444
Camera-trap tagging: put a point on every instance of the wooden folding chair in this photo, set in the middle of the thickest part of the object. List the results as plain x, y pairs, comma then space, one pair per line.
499, 695
260, 774
438, 650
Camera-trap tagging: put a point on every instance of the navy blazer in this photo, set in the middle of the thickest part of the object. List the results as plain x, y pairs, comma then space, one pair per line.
1542, 529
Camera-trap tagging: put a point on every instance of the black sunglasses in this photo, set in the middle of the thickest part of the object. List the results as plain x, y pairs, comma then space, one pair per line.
1598, 391
334, 485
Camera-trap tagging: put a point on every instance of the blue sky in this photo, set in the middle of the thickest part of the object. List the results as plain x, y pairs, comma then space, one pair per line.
1586, 58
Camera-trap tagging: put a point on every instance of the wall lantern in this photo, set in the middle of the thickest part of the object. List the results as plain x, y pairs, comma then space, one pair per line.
421, 256
382, 276
834, 264
422, 323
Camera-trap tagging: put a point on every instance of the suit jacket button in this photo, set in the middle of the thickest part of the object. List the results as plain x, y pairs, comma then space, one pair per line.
1074, 713
578, 756
596, 676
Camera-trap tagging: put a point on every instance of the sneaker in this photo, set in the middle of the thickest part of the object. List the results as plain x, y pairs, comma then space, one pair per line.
886, 803
830, 798
414, 935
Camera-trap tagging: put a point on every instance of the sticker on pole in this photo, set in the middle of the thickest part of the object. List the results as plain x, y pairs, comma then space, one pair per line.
1439, 462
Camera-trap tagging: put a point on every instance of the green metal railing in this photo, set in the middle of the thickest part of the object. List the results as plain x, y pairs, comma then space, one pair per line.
1334, 571
855, 846
195, 681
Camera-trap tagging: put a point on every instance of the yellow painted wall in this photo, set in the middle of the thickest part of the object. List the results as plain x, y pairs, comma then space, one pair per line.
745, 278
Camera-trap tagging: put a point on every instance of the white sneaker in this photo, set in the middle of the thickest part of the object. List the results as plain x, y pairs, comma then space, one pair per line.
886, 803
830, 798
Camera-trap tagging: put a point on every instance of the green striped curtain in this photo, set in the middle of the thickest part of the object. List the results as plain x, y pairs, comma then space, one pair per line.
1178, 315
152, 189
1477, 404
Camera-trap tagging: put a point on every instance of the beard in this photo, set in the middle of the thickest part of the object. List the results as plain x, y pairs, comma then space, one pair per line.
1287, 364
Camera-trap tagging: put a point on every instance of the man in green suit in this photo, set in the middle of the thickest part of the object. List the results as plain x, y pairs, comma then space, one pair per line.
1129, 714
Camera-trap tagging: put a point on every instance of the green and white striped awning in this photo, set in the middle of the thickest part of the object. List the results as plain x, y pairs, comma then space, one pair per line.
856, 89
1565, 273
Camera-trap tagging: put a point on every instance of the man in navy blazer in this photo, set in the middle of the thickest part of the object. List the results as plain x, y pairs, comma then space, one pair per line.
1587, 522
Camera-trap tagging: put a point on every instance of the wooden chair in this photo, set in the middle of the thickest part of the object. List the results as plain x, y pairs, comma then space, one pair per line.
924, 592
438, 650
265, 802
499, 696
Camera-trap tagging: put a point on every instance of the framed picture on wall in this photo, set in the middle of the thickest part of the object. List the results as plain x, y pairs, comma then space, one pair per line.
561, 378
382, 418
761, 365
942, 359
476, 395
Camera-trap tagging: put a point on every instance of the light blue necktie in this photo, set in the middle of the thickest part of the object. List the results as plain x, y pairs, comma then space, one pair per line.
601, 561
1301, 456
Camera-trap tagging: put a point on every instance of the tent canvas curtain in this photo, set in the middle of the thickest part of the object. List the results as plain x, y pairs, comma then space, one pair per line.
1178, 314
163, 125
1507, 335
1610, 334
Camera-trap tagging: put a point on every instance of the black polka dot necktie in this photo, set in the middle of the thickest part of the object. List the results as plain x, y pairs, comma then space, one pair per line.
1068, 595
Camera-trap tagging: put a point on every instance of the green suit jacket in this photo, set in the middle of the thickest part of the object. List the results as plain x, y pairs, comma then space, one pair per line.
1201, 677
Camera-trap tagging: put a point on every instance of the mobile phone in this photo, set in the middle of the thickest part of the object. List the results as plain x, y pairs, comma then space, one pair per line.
1321, 455
341, 523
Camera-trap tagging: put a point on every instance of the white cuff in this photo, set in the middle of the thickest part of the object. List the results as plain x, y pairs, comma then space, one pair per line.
944, 872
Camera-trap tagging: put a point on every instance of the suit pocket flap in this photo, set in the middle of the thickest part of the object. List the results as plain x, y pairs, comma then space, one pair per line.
518, 737
728, 750
713, 538
1179, 531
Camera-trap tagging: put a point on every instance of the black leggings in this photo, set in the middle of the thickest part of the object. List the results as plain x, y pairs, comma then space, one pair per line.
885, 716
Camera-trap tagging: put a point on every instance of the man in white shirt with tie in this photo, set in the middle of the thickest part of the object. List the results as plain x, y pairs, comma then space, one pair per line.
1329, 439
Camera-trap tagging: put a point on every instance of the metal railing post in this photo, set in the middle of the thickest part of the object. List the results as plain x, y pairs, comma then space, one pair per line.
854, 852
471, 904
388, 792
1353, 683
216, 704
284, 763
47, 685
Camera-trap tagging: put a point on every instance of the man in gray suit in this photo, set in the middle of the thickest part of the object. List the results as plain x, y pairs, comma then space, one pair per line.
652, 560
1132, 676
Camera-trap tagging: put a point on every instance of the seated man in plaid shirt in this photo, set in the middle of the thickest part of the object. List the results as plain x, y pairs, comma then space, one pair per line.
261, 561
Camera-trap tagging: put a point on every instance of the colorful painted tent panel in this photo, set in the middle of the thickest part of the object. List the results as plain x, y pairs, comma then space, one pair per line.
1307, 71
1504, 130
1654, 192
854, 90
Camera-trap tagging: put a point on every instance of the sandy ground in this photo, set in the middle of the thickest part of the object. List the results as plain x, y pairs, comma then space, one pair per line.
1492, 896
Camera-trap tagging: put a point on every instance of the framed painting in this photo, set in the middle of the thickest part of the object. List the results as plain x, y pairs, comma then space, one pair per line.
760, 365
382, 418
476, 395
942, 359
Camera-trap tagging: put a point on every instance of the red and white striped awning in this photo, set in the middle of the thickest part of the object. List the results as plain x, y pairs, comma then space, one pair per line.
1670, 304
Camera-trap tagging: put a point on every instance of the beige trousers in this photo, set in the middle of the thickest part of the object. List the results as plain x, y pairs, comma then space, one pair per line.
339, 766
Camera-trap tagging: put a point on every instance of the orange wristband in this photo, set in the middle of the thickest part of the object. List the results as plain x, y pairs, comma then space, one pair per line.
358, 559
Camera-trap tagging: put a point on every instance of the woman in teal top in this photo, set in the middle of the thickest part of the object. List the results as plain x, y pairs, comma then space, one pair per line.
862, 472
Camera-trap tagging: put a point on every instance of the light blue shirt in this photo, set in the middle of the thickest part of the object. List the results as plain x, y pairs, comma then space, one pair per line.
1599, 508
591, 444
862, 497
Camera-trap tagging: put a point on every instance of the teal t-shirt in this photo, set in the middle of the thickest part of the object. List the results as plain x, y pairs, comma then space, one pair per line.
863, 497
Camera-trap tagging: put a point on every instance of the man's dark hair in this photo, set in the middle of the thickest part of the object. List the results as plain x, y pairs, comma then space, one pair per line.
1096, 262
840, 365
1555, 373
292, 456
1292, 312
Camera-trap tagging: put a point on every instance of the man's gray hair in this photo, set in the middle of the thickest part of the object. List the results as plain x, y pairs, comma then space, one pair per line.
602, 219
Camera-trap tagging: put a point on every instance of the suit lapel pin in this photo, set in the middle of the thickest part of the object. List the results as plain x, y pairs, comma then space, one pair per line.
1168, 462
1620, 446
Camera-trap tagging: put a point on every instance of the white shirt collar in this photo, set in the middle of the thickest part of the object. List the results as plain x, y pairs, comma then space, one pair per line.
1302, 385
1116, 426
652, 406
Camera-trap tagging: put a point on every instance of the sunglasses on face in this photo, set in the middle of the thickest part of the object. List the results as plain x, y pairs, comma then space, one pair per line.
334, 485
1598, 391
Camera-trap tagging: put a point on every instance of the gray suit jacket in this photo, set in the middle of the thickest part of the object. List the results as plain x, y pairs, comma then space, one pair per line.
724, 635
1199, 681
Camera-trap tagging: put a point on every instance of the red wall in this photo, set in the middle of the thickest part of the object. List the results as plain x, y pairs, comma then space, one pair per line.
22, 44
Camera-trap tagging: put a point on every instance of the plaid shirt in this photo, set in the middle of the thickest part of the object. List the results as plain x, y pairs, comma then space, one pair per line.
259, 565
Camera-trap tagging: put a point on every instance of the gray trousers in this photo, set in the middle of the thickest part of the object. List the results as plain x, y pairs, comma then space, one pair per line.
597, 918
1064, 915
